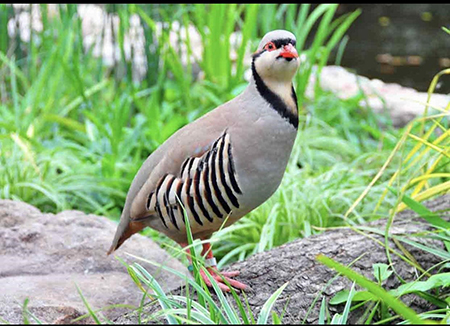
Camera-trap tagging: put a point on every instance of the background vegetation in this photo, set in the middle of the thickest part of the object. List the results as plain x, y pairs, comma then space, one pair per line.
75, 127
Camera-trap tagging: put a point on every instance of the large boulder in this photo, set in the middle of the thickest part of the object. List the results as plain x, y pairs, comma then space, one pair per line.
44, 256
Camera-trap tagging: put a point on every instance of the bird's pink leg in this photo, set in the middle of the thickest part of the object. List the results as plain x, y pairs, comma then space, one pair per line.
212, 269
219, 276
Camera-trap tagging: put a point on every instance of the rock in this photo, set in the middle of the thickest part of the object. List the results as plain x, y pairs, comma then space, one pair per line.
402, 103
44, 256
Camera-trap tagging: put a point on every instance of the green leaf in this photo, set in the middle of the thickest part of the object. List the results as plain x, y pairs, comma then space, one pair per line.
381, 272
342, 296
398, 306
276, 319
435, 281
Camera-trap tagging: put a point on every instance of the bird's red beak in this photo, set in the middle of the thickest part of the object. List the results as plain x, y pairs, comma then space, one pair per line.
289, 51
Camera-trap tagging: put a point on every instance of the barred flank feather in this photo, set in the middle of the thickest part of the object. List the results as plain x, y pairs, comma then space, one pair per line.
207, 187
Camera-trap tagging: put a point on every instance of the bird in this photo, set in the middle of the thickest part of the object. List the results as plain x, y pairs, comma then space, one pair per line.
222, 165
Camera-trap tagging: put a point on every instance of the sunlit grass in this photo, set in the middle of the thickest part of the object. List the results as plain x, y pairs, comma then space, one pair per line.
79, 143
64, 119
74, 131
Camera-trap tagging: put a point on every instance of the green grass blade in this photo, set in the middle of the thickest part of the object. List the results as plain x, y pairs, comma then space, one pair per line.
267, 307
348, 304
13, 67
26, 312
241, 308
193, 305
434, 251
88, 307
398, 306
276, 320
304, 29
322, 312
200, 291
423, 211
336, 320
163, 300
26, 321
233, 317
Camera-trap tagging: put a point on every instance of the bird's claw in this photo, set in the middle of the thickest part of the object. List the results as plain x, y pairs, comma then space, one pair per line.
221, 277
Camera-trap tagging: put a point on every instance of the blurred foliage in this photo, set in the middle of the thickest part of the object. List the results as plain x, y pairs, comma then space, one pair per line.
75, 127
67, 115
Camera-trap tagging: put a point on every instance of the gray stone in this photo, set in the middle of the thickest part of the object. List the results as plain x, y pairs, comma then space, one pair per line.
44, 256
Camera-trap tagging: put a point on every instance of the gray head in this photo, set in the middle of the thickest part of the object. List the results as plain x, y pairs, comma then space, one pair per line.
276, 58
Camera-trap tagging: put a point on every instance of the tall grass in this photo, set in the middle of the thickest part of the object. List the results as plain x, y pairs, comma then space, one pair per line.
66, 116
74, 129
199, 306
422, 173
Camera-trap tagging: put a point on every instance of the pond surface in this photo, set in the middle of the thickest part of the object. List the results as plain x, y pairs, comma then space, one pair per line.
399, 43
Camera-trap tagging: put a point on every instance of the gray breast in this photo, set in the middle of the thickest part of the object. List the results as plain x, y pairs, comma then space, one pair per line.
261, 154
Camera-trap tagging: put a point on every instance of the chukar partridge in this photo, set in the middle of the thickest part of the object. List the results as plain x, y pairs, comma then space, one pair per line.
224, 164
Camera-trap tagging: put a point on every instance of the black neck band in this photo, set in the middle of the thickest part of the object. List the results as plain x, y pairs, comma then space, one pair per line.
274, 100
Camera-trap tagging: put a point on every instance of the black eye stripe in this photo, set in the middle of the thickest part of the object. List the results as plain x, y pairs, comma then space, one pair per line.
283, 41
278, 43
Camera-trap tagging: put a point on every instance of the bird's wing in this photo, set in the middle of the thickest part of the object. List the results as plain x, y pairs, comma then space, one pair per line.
205, 185
168, 172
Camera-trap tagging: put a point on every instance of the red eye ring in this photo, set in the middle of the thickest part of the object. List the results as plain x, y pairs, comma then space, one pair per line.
270, 46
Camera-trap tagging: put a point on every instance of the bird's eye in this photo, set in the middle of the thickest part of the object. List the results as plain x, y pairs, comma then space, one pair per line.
269, 46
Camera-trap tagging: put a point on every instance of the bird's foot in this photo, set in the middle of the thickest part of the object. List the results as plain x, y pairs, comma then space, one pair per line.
221, 278
211, 266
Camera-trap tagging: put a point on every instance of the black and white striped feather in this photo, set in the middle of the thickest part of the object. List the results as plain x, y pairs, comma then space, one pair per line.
207, 188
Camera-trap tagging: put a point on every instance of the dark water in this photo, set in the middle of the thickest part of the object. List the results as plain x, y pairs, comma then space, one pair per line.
399, 43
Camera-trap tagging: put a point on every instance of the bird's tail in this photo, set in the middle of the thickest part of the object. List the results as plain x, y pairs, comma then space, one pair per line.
125, 230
